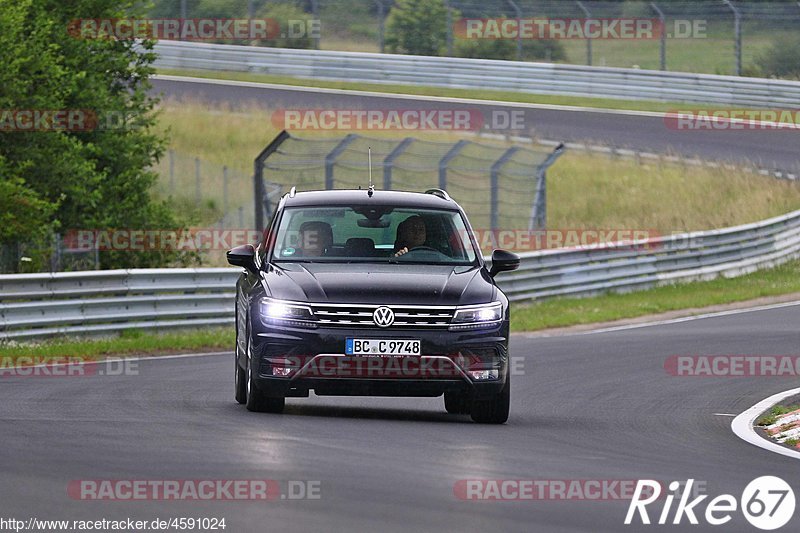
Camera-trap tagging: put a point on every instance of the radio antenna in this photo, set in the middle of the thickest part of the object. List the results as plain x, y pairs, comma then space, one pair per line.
369, 158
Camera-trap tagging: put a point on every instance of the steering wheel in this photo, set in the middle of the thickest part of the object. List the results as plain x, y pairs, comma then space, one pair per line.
427, 248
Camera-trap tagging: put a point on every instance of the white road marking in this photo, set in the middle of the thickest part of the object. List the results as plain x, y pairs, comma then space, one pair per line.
668, 321
742, 425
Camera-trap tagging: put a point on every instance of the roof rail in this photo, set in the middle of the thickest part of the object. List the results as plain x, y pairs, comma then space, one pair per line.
292, 192
438, 192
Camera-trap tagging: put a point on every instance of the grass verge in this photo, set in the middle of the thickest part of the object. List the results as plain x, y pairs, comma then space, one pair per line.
128, 343
560, 312
475, 94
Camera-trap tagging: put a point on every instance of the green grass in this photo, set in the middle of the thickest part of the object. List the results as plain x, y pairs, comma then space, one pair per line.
483, 94
774, 413
711, 55
585, 190
128, 343
559, 312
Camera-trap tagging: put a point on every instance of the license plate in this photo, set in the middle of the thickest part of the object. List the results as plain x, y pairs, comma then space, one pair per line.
382, 347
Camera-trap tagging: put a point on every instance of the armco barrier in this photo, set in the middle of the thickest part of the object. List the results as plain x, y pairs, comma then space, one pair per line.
539, 78
41, 305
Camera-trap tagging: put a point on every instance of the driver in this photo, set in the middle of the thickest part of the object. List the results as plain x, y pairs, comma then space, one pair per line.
316, 238
411, 233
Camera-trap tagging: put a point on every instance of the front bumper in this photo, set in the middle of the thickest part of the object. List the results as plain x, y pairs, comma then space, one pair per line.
293, 361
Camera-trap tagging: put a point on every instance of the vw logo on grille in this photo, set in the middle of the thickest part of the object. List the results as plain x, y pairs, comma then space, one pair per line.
383, 317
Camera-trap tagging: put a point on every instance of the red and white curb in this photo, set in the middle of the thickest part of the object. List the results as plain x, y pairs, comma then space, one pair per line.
786, 427
743, 426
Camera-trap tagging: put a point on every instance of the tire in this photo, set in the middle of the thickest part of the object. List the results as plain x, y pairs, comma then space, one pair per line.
257, 401
239, 380
240, 373
456, 404
493, 410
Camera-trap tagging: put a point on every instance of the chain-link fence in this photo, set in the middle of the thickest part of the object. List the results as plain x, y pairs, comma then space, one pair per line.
209, 197
708, 36
220, 196
500, 186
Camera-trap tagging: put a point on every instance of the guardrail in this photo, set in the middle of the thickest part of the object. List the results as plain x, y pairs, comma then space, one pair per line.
539, 78
41, 305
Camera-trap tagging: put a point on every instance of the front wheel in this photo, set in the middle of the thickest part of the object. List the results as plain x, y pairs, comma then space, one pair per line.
456, 404
240, 377
257, 401
493, 410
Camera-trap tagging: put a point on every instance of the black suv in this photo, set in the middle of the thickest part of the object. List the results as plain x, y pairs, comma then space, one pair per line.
378, 293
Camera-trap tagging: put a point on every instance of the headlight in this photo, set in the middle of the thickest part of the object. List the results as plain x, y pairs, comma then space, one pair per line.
286, 313
477, 316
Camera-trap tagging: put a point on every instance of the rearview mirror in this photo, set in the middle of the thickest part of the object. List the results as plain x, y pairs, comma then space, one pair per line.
503, 261
243, 256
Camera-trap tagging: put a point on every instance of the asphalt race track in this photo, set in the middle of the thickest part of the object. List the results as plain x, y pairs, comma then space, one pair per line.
769, 149
589, 406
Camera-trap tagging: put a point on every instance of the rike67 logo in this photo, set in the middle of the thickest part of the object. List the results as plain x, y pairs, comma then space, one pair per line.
767, 503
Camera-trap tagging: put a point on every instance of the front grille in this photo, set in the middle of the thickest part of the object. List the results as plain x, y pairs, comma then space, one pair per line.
405, 316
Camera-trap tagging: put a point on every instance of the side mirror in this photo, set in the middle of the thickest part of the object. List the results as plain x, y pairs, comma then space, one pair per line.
243, 256
503, 261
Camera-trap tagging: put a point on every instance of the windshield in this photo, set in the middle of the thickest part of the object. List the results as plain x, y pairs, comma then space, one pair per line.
369, 233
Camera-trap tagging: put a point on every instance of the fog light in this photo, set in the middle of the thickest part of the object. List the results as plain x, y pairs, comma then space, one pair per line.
480, 375
283, 366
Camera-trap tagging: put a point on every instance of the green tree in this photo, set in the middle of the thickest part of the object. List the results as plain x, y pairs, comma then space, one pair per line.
417, 27
100, 178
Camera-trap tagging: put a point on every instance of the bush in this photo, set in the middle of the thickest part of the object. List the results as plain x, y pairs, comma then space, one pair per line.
417, 27
283, 13
547, 49
485, 48
782, 60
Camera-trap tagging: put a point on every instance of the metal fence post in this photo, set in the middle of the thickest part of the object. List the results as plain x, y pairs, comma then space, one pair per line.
449, 29
663, 21
388, 162
330, 159
172, 171
518, 11
538, 218
198, 197
315, 14
444, 161
225, 195
258, 178
737, 38
494, 193
381, 25
588, 39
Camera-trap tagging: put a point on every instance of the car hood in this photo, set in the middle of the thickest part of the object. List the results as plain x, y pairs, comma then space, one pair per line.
379, 284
